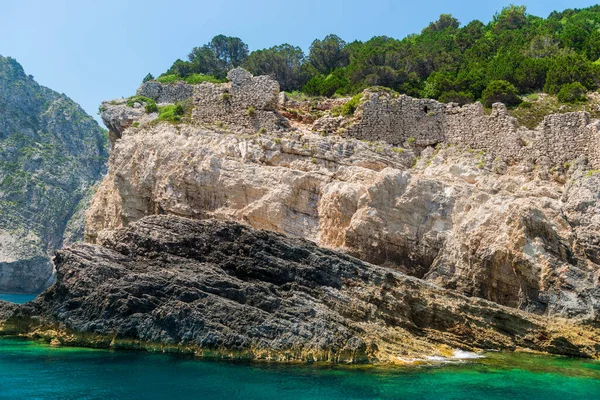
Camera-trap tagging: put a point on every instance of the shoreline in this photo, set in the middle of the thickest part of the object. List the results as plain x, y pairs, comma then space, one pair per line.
244, 357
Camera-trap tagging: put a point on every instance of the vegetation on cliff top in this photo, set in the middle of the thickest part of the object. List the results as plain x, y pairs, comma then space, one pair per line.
445, 61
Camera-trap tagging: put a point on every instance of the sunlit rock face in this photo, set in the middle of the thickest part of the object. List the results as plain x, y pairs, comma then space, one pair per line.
516, 229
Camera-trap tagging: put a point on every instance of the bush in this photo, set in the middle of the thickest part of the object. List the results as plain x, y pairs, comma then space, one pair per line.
323, 85
572, 93
500, 91
171, 113
351, 106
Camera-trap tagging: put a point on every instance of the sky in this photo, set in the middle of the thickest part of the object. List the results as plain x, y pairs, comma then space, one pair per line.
100, 50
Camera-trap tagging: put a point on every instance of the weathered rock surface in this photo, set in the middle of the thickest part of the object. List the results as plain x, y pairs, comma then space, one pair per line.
515, 222
221, 289
458, 218
51, 154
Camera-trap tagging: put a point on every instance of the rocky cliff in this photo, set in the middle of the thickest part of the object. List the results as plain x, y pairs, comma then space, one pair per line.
51, 153
468, 201
222, 289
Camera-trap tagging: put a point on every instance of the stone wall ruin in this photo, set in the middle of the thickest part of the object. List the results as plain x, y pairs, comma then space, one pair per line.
406, 121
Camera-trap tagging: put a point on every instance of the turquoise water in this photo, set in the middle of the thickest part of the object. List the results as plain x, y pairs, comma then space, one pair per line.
37, 371
17, 298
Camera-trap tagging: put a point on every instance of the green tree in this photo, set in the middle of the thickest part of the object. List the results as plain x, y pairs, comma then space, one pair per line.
285, 63
181, 68
445, 21
147, 78
510, 18
327, 54
230, 51
569, 68
204, 61
217, 57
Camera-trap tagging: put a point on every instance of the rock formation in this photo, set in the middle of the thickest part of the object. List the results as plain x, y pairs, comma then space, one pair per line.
492, 211
221, 289
51, 154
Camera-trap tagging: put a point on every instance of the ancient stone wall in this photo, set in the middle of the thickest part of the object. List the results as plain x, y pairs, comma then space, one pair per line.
166, 93
248, 103
403, 120
399, 119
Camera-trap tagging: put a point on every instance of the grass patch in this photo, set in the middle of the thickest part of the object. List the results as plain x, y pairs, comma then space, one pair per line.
199, 78
169, 78
171, 113
192, 79
297, 96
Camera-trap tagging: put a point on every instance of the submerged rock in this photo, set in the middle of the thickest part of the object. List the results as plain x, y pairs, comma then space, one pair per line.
222, 289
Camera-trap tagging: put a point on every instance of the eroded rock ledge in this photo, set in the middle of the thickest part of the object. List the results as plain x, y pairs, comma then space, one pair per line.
221, 289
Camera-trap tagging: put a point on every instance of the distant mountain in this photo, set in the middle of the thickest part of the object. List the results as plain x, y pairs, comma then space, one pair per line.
51, 155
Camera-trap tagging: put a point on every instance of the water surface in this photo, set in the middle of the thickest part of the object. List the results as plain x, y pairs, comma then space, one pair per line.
17, 298
35, 370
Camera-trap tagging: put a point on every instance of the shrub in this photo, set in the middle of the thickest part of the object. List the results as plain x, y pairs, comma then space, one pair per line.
171, 113
572, 93
251, 111
323, 85
501, 91
350, 107
151, 107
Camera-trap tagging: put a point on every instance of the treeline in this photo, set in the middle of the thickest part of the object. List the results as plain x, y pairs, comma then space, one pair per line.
516, 53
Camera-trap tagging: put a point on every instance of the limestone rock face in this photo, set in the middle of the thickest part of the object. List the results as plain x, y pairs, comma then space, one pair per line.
222, 289
471, 202
457, 218
51, 154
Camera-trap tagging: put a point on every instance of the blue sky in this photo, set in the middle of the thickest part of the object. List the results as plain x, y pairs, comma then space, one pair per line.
100, 50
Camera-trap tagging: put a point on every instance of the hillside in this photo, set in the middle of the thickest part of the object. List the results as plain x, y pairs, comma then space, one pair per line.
51, 154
